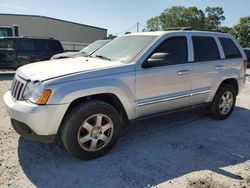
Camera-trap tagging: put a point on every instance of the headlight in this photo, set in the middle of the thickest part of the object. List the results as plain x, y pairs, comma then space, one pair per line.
35, 93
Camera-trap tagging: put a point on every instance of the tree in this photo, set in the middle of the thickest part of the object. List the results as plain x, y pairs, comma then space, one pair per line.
242, 31
228, 30
111, 36
179, 16
154, 24
214, 17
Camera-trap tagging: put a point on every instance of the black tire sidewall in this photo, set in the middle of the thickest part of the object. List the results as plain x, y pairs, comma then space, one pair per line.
75, 119
214, 110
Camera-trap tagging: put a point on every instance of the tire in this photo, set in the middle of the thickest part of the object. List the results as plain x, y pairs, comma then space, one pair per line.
90, 129
223, 103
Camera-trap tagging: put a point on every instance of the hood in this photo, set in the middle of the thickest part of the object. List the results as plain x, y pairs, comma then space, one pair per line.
55, 68
67, 55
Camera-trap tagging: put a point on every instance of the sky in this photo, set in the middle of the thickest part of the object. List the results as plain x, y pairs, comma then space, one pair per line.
116, 15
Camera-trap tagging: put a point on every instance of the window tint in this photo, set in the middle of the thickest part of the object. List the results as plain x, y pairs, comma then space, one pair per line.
230, 49
6, 44
54, 45
176, 47
26, 45
205, 49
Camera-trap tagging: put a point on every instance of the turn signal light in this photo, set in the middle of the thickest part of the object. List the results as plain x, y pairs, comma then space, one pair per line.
44, 97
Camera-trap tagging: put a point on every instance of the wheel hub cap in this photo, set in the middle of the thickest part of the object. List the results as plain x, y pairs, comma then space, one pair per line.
95, 132
226, 102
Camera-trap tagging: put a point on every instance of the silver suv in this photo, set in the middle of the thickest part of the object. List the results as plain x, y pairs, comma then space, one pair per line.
88, 100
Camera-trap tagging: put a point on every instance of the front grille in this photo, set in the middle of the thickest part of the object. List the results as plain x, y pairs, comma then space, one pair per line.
17, 88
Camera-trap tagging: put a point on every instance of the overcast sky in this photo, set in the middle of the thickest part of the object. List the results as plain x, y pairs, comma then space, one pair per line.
118, 15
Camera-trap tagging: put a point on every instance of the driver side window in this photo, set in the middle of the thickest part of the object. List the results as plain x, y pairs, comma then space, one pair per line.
176, 48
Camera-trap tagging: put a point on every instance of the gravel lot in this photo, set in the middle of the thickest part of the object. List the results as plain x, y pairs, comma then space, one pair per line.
186, 149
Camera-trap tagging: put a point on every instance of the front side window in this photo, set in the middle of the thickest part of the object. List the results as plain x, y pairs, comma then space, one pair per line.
230, 49
176, 48
123, 49
205, 49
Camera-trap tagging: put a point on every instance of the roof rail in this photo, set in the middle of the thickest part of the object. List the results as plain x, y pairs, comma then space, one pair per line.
193, 29
25, 36
179, 28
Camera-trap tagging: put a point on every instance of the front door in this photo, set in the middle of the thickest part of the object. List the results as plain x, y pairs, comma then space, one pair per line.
167, 86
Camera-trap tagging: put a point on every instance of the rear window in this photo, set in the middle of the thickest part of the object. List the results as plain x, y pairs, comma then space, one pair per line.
205, 49
6, 43
230, 49
54, 45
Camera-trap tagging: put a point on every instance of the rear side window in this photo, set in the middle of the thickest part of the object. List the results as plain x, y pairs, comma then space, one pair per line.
176, 47
230, 49
6, 43
54, 45
25, 45
205, 49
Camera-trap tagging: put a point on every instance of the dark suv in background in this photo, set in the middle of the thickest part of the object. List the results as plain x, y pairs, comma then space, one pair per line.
18, 51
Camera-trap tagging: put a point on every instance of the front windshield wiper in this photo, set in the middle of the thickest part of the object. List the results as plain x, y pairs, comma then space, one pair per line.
103, 57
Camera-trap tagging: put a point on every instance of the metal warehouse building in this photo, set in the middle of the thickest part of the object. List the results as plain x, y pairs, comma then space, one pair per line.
72, 35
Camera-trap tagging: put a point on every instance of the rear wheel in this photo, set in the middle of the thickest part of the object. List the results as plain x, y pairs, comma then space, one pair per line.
91, 129
223, 102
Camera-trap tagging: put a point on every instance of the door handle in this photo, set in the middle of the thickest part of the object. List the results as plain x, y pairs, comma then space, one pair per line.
183, 72
219, 67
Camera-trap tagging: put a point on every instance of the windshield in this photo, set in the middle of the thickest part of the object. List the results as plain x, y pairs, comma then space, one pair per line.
123, 49
93, 47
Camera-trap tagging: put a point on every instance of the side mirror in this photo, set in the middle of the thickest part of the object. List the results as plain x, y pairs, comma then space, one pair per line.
157, 59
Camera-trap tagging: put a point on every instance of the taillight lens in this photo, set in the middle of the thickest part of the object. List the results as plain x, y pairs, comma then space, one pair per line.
245, 64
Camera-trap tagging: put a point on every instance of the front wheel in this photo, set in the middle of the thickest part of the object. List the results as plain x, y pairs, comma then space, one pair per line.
224, 102
91, 129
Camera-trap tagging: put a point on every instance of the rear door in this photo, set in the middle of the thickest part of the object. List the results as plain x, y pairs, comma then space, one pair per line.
207, 66
167, 86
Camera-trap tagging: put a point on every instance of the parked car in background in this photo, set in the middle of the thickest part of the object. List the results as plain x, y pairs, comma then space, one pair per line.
247, 51
18, 51
84, 52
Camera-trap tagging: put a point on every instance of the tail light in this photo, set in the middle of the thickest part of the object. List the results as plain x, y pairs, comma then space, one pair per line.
245, 62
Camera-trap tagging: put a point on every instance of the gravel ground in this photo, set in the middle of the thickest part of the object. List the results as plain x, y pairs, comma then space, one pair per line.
185, 149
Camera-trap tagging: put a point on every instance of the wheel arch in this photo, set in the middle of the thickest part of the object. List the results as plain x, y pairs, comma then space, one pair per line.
109, 98
233, 82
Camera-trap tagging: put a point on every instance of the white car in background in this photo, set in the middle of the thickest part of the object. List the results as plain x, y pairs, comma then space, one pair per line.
88, 50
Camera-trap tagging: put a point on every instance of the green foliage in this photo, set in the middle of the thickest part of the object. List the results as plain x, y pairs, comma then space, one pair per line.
242, 31
209, 19
110, 36
179, 16
214, 17
154, 24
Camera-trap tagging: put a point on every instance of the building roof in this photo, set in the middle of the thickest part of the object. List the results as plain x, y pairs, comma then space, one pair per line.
38, 16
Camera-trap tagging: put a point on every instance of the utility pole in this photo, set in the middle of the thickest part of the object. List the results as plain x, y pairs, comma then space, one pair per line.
137, 26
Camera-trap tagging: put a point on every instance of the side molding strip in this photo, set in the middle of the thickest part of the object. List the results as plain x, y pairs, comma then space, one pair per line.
172, 98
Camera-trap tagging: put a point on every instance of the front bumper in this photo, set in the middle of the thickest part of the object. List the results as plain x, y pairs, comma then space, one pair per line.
32, 121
